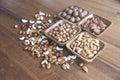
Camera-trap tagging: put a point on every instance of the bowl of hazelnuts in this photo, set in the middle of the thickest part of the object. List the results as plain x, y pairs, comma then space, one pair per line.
62, 32
73, 14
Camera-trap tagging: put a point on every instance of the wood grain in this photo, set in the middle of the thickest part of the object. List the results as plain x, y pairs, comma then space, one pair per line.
16, 64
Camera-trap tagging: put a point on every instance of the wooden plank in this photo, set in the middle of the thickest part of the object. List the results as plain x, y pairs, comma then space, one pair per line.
105, 67
25, 61
9, 70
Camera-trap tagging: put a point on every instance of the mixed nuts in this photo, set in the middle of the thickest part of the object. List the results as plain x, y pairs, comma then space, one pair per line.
32, 35
39, 45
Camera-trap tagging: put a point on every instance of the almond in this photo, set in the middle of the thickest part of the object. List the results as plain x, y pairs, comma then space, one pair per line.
84, 68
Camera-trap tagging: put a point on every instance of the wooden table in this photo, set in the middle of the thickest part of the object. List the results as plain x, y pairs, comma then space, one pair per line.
16, 64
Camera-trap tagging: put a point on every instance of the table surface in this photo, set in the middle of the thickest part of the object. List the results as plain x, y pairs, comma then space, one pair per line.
16, 64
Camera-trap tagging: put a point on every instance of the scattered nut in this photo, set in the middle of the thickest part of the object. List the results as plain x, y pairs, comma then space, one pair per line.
66, 66
84, 68
38, 55
48, 65
16, 26
24, 21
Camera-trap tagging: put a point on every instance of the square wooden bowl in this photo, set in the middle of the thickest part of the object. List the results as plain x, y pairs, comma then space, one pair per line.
59, 15
102, 46
56, 25
105, 21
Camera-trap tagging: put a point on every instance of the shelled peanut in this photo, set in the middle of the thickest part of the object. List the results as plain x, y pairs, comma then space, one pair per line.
85, 45
95, 25
63, 32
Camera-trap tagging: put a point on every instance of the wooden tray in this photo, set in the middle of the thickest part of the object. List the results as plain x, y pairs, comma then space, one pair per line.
59, 15
102, 46
107, 22
55, 25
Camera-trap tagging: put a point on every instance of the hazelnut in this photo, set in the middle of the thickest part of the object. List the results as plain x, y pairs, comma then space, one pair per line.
67, 17
72, 19
75, 13
56, 63
75, 9
16, 26
82, 15
71, 7
69, 12
77, 19
63, 14
20, 32
66, 9
59, 40
80, 10
85, 12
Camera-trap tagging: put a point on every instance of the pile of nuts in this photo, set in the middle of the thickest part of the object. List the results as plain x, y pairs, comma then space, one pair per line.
32, 36
95, 24
74, 14
85, 45
63, 32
